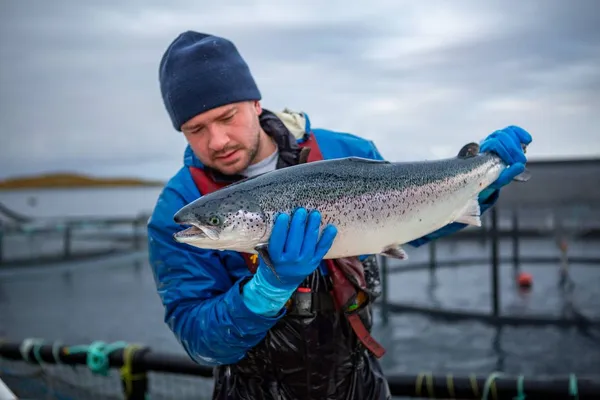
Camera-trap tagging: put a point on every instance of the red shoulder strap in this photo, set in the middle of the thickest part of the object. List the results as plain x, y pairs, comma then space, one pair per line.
315, 152
203, 182
345, 295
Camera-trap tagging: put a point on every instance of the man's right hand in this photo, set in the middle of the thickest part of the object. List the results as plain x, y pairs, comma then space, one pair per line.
296, 251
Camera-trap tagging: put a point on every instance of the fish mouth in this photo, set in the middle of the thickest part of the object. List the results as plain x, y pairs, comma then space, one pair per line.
195, 232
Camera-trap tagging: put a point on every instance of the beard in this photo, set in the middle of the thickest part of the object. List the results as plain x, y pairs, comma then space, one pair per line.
250, 153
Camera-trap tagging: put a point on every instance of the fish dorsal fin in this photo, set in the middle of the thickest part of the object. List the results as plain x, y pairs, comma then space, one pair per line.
469, 150
523, 176
366, 160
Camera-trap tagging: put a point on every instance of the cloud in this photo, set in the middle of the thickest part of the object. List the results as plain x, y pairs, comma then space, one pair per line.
80, 79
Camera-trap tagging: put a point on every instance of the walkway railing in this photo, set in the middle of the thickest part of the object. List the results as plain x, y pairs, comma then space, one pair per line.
69, 239
491, 232
135, 363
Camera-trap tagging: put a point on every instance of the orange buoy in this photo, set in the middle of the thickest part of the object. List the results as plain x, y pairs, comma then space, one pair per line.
563, 245
525, 280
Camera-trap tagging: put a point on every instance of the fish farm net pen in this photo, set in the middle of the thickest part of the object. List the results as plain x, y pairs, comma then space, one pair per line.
36, 369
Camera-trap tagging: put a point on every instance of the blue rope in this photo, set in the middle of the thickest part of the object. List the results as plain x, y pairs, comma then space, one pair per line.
97, 355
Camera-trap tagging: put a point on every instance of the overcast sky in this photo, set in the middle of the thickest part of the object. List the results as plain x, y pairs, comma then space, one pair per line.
79, 81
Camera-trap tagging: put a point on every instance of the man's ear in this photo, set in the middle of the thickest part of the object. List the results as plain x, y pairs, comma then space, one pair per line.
257, 107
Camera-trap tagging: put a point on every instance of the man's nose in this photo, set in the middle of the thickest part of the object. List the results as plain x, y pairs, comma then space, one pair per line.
218, 139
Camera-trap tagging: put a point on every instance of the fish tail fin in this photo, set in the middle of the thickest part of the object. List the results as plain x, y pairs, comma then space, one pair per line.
262, 250
526, 174
472, 149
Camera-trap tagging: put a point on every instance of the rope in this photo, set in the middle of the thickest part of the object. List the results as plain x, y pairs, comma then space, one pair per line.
474, 385
27, 345
98, 362
97, 359
56, 348
450, 386
126, 370
489, 383
573, 386
97, 355
520, 391
430, 386
419, 383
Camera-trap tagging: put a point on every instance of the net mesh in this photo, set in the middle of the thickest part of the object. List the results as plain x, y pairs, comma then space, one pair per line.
64, 382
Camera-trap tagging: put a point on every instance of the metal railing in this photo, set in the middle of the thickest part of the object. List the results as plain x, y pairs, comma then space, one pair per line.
134, 365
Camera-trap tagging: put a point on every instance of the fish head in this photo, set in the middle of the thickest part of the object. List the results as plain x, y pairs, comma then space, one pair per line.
230, 222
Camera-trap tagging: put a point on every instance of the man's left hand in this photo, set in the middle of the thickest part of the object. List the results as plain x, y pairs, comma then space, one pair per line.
506, 143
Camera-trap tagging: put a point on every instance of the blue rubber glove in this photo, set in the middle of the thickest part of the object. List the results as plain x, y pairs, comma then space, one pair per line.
295, 251
506, 143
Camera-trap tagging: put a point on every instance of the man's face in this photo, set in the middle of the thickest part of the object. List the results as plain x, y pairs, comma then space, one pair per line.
225, 138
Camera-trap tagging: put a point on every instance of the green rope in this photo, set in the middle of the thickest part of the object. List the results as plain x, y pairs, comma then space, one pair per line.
97, 355
573, 386
489, 383
36, 351
573, 391
520, 392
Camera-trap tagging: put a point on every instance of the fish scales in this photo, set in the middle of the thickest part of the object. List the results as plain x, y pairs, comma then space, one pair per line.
372, 205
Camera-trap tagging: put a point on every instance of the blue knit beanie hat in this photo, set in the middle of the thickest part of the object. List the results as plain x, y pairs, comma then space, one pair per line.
199, 72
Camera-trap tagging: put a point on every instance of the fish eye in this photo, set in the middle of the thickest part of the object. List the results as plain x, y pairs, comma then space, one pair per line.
214, 220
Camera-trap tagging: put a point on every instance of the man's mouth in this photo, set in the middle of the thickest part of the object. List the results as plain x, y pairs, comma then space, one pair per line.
227, 155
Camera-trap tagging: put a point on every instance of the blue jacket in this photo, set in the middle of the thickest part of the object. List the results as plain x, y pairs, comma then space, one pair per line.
200, 288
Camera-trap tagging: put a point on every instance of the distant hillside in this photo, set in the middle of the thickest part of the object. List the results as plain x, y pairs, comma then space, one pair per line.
66, 180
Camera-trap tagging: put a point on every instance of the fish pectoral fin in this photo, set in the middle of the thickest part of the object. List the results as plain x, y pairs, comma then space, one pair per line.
523, 176
263, 252
468, 150
526, 174
471, 214
395, 251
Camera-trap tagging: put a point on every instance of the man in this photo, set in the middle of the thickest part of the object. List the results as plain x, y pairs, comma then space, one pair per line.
307, 334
